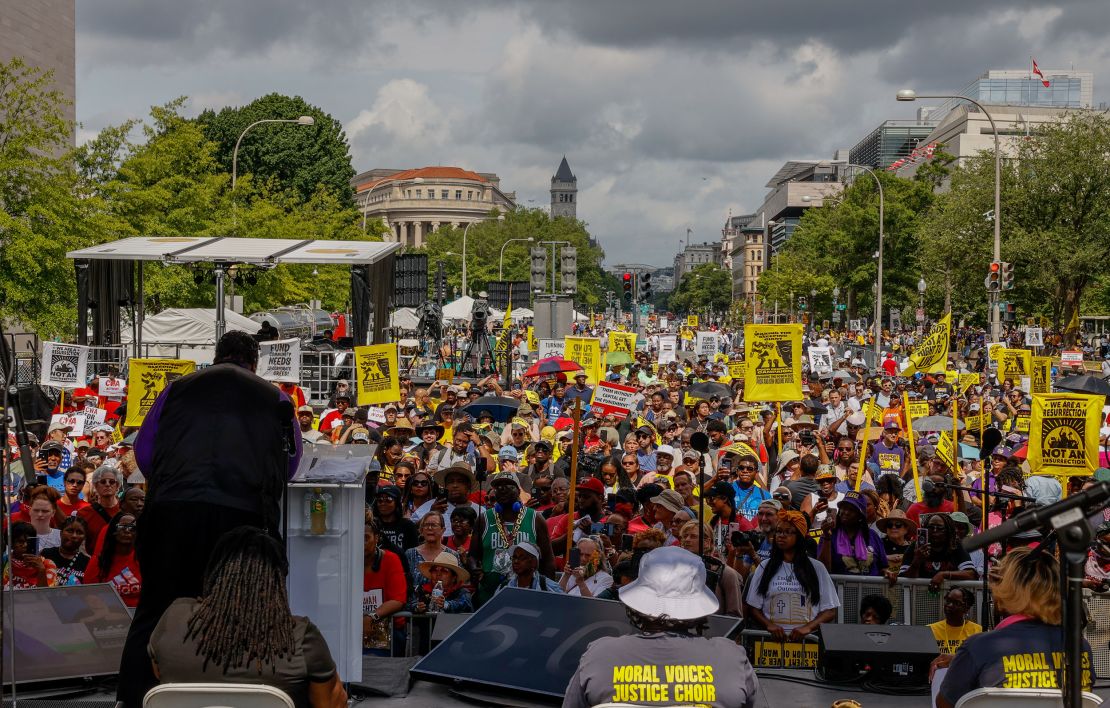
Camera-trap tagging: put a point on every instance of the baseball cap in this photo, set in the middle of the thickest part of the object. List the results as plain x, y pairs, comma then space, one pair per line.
721, 489
665, 450
592, 484
671, 583
360, 436
306, 409
670, 499
690, 454
892, 425
508, 452
59, 426
773, 503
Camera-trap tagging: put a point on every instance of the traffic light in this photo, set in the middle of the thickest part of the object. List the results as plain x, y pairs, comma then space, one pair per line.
1009, 311
538, 272
994, 277
645, 287
627, 283
802, 303
1007, 276
569, 269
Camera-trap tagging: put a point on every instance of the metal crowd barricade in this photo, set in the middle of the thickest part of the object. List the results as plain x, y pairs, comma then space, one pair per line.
103, 358
910, 598
321, 370
867, 354
1098, 632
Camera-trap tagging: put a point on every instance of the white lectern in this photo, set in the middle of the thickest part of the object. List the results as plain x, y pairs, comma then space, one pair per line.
325, 569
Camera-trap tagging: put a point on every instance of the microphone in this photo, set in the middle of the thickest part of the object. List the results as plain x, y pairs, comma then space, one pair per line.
286, 414
1074, 508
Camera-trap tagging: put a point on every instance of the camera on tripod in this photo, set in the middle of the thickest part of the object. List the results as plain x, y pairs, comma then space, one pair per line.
479, 314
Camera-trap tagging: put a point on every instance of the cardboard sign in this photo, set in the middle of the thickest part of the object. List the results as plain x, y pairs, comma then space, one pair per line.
820, 360
773, 354
445, 374
74, 420
586, 352
280, 360
375, 414
64, 365
707, 344
736, 370
148, 377
377, 374
918, 409
613, 399
692, 321
1071, 358
1034, 337
668, 346
549, 347
1064, 433
794, 655
112, 387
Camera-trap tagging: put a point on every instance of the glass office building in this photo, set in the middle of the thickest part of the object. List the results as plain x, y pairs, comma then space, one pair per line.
1066, 89
891, 141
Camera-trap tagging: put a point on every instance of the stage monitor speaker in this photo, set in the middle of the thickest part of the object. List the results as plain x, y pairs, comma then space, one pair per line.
410, 279
527, 641
889, 654
66, 632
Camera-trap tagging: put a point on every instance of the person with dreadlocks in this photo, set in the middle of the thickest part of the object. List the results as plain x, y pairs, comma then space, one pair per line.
240, 630
668, 661
790, 594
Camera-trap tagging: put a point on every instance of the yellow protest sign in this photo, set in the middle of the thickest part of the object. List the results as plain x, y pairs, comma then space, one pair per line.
146, 380
692, 321
687, 333
917, 409
533, 345
966, 381
977, 421
1041, 378
445, 374
1013, 364
586, 352
771, 654
930, 355
946, 451
1021, 423
1063, 433
773, 354
378, 374
623, 342
736, 370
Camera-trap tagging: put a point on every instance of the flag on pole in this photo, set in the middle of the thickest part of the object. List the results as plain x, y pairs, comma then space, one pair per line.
930, 355
1037, 73
1073, 325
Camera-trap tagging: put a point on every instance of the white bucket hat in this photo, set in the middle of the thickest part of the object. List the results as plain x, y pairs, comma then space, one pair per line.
671, 583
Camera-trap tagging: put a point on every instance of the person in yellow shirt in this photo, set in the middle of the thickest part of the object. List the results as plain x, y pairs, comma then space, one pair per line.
951, 631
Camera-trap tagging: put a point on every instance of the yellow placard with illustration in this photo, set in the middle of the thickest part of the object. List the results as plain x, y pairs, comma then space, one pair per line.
1063, 433
586, 352
146, 380
377, 373
773, 354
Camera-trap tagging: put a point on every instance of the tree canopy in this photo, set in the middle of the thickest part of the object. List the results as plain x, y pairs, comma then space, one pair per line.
301, 158
706, 288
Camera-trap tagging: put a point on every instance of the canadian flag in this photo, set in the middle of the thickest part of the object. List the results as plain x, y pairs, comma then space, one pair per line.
1037, 72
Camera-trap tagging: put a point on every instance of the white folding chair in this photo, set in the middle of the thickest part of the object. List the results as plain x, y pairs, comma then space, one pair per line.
1021, 698
216, 695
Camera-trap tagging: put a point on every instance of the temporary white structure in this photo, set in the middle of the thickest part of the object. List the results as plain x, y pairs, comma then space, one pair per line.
404, 318
460, 310
186, 333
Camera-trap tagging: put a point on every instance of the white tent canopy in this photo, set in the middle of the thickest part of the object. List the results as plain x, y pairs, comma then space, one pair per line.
405, 318
188, 333
460, 310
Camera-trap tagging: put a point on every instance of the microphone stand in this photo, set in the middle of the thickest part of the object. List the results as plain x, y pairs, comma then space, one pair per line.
1068, 518
699, 441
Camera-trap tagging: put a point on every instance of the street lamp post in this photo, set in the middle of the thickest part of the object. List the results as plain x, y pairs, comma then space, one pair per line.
467, 229
879, 286
501, 260
911, 95
921, 304
302, 120
836, 301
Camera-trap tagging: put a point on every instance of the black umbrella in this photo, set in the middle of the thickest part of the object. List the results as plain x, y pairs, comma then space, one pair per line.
1084, 383
707, 389
502, 408
815, 407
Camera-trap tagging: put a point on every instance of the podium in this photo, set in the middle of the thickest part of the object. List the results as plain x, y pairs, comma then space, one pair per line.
325, 570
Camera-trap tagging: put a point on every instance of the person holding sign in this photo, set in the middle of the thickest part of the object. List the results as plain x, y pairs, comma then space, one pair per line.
216, 447
887, 453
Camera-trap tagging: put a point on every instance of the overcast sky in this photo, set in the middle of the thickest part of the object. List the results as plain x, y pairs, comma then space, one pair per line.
670, 113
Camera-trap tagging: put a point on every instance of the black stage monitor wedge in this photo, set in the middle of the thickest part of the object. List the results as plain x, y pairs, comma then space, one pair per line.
530, 641
66, 632
893, 654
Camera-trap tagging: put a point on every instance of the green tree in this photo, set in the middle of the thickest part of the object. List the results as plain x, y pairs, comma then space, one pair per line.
840, 239
298, 157
41, 217
705, 289
485, 239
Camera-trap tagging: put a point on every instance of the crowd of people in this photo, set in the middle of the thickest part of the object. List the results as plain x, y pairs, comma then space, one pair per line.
779, 501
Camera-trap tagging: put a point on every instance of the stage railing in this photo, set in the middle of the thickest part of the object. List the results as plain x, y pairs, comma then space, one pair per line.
321, 370
910, 598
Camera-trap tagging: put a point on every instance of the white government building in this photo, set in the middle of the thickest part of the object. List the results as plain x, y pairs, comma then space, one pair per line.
414, 203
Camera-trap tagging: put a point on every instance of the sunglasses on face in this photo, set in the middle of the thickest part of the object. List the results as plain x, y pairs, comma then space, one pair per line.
896, 525
74, 481
420, 483
748, 468
126, 527
109, 482
781, 497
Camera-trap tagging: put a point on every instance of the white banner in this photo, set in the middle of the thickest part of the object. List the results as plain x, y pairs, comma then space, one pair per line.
820, 360
707, 344
375, 414
64, 365
613, 398
280, 360
663, 322
73, 419
668, 345
93, 417
112, 387
1034, 337
549, 347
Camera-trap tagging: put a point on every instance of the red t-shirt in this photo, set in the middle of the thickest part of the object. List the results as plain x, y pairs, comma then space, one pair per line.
383, 585
68, 510
918, 508
96, 523
124, 576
